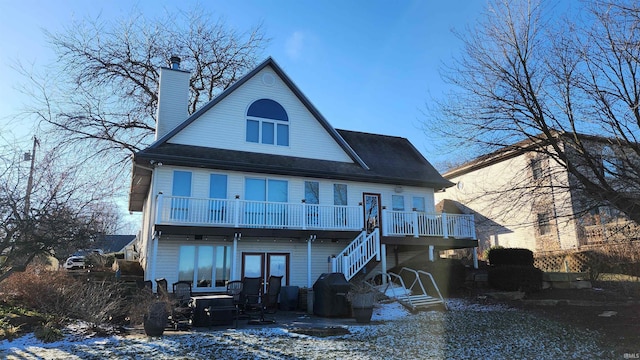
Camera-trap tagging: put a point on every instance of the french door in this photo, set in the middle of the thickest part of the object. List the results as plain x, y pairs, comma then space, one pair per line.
264, 265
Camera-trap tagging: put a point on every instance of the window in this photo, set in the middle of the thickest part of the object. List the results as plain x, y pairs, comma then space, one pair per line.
312, 198
218, 186
536, 168
544, 223
181, 191
418, 203
339, 194
267, 123
611, 164
206, 266
397, 202
217, 195
273, 192
312, 192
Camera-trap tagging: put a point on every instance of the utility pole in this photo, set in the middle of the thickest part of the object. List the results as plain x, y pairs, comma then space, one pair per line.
27, 199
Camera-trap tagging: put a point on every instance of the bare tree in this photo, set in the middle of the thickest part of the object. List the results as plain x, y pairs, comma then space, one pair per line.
568, 84
101, 94
58, 211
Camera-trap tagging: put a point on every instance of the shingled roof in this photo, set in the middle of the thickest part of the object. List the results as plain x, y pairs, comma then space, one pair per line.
376, 158
390, 160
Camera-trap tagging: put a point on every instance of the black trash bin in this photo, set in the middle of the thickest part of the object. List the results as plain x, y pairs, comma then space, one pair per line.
330, 296
288, 298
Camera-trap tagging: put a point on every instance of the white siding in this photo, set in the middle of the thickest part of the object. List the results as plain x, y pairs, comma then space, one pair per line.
236, 180
173, 100
224, 125
321, 250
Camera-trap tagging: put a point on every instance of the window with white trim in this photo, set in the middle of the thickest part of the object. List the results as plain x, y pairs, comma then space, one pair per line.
205, 266
397, 202
267, 123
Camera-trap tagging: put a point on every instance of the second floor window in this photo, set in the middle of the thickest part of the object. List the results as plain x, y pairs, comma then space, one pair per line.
544, 223
397, 202
418, 203
312, 192
267, 123
536, 169
339, 194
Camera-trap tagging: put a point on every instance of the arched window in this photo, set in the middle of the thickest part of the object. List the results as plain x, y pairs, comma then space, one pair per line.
267, 123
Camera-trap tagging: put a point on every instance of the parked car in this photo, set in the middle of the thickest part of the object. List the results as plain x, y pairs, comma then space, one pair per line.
74, 262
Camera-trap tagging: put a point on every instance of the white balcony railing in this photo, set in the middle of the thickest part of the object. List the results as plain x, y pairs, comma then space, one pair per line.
177, 210
414, 223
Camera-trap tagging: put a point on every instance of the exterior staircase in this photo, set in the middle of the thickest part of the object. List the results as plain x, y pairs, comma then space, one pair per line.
364, 248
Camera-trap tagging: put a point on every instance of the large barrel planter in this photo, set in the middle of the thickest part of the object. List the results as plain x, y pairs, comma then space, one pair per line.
156, 320
362, 306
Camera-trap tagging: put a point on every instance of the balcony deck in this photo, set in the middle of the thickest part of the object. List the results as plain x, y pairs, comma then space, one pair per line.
244, 214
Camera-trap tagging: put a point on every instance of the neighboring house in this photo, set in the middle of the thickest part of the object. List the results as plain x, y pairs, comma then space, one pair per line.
522, 197
124, 244
258, 183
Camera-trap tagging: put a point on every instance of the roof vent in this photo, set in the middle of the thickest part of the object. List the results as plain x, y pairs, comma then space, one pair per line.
175, 63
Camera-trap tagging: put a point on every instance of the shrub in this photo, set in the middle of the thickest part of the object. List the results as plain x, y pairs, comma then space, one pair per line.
48, 332
514, 278
510, 256
63, 297
485, 253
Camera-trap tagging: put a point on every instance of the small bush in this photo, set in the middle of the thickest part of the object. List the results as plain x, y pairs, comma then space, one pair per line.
510, 256
49, 332
515, 278
485, 253
8, 331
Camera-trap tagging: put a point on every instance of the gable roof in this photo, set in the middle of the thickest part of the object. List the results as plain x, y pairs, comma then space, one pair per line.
285, 78
528, 145
393, 160
376, 158
114, 243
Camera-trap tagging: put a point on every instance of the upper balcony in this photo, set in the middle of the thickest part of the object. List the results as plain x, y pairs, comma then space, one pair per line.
237, 213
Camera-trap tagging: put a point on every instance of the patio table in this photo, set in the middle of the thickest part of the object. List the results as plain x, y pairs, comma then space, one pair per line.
209, 310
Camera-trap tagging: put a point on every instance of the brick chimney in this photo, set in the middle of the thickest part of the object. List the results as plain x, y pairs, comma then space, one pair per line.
173, 97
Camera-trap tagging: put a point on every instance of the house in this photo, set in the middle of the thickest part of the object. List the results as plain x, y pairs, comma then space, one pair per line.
522, 197
124, 244
258, 183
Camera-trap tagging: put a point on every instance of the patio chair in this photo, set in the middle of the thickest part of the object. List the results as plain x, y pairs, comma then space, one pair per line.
162, 288
251, 293
181, 312
144, 284
234, 288
273, 291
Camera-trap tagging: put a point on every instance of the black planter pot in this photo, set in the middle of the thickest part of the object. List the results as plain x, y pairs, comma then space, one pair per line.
363, 315
154, 327
156, 320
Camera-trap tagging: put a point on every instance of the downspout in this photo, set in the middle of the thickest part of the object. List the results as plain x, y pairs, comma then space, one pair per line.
311, 238
154, 259
234, 271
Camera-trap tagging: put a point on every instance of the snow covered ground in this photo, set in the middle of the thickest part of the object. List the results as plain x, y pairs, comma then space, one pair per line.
466, 331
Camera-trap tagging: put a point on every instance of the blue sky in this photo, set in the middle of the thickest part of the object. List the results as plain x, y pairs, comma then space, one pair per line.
366, 65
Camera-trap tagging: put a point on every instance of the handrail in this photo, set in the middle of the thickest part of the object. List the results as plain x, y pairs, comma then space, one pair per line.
434, 285
418, 281
357, 254
393, 289
418, 223
182, 210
